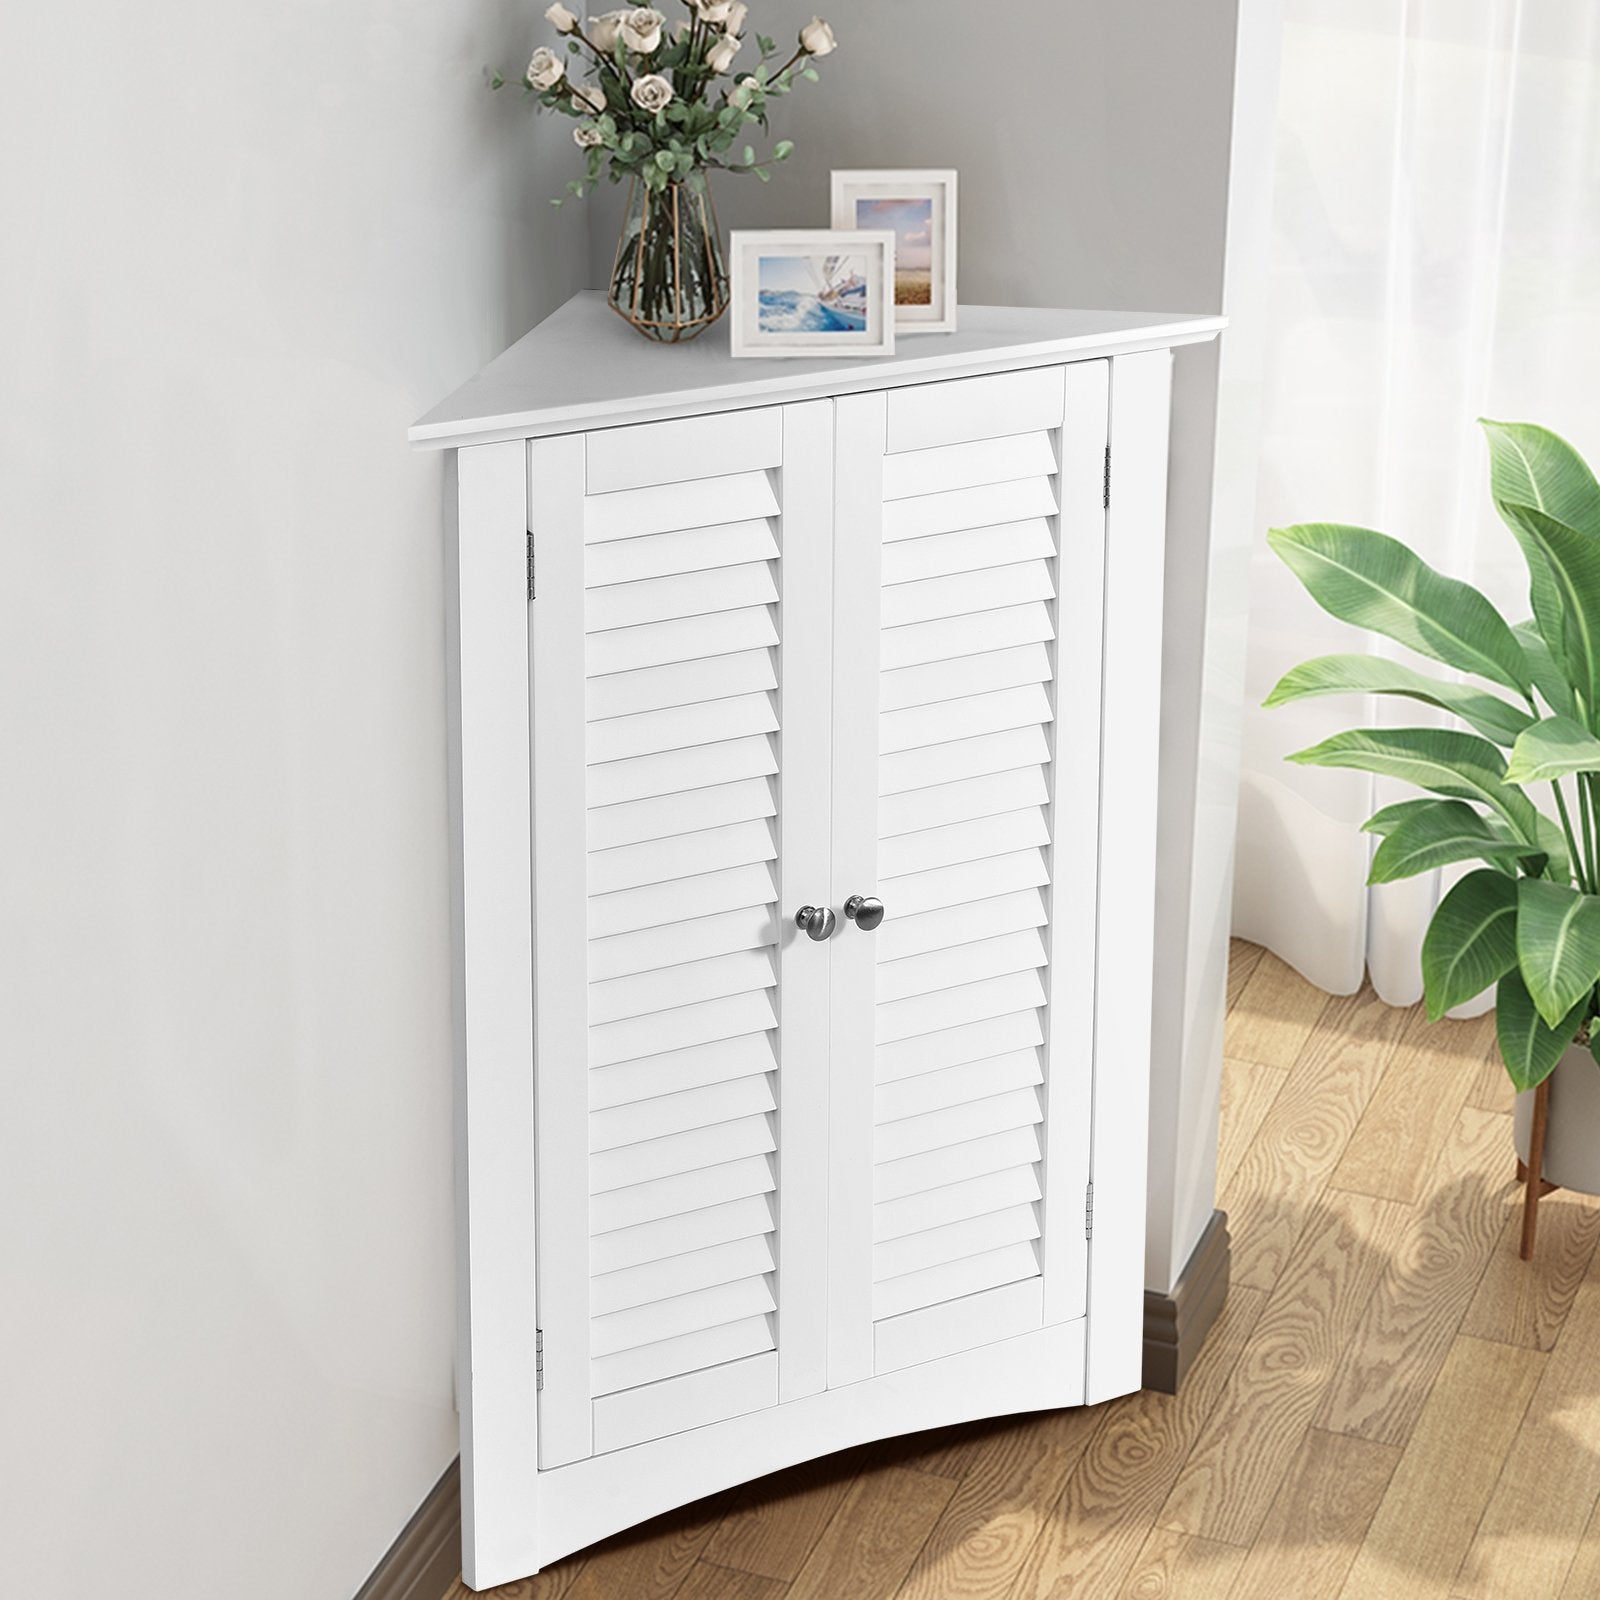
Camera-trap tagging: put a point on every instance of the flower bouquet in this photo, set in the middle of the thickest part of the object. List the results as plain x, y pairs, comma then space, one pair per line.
662, 109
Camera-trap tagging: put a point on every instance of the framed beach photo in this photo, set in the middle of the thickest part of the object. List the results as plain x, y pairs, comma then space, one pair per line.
812, 292
919, 207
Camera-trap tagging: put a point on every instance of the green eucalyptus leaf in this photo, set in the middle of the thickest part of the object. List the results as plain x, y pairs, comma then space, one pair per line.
1552, 749
1488, 713
1375, 582
783, 149
1471, 941
1558, 945
1460, 766
1528, 1046
1574, 560
1439, 833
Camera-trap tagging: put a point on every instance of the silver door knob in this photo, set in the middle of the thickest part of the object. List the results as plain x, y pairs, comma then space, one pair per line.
865, 910
818, 921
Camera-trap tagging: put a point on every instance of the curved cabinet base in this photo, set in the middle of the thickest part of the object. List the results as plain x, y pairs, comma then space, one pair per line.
589, 1500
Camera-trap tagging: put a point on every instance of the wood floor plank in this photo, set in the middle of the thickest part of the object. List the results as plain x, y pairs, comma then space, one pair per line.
1387, 1369
1243, 959
1414, 1108
995, 1514
1251, 1439
1526, 1302
1420, 1535
1094, 1532
1304, 1134
708, 1582
1177, 1566
1583, 1577
1550, 1483
649, 1562
1248, 1090
551, 1584
1274, 1015
1318, 1519
1491, 1088
868, 1547
771, 1525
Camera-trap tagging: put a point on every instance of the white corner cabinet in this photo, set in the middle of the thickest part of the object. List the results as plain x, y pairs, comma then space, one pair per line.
804, 748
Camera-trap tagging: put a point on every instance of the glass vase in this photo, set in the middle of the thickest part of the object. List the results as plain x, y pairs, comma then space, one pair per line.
670, 280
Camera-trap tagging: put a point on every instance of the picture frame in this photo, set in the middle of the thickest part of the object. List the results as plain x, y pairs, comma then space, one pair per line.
919, 206
812, 292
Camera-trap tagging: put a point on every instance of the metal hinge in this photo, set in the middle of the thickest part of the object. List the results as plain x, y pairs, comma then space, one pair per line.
1088, 1212
1107, 502
538, 1359
530, 563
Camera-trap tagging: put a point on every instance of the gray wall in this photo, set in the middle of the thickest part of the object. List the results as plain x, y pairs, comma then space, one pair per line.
243, 248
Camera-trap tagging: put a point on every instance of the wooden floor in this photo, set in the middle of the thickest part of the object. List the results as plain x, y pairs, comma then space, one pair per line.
1393, 1406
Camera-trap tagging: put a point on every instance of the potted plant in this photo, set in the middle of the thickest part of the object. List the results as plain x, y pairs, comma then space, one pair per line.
662, 107
1528, 919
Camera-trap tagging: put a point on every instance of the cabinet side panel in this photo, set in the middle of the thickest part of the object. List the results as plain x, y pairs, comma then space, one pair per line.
1074, 829
494, 1040
804, 779
556, 479
1131, 707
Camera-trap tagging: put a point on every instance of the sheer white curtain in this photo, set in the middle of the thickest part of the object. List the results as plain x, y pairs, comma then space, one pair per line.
1436, 258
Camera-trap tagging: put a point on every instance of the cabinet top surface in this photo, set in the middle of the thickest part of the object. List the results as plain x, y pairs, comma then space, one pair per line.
583, 367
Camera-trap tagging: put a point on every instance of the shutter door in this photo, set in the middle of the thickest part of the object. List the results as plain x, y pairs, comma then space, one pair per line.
980, 1062
659, 1104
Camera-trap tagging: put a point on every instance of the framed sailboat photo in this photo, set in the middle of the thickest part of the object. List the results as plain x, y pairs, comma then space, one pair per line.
813, 292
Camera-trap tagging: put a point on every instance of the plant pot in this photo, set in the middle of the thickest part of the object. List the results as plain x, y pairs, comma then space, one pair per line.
669, 279
1572, 1139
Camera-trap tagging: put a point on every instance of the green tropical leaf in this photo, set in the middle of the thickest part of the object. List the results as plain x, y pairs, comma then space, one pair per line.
1471, 941
1574, 560
1558, 945
1530, 1048
1384, 822
1548, 678
1552, 749
1530, 466
1438, 833
1460, 766
1488, 713
1375, 582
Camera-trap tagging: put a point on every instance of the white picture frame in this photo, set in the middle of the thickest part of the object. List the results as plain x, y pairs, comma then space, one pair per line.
881, 197
810, 277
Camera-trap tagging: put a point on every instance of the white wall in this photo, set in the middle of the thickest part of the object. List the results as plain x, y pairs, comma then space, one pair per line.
243, 247
1125, 173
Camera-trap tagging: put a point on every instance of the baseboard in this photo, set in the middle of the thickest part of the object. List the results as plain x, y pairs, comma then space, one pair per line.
426, 1559
1176, 1324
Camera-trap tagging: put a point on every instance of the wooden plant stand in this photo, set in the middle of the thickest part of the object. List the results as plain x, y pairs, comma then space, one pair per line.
1531, 1172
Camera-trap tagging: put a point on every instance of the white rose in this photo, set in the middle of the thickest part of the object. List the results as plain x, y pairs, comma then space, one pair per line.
561, 19
589, 94
720, 56
713, 10
641, 29
587, 137
816, 38
744, 91
737, 12
546, 68
603, 30
651, 92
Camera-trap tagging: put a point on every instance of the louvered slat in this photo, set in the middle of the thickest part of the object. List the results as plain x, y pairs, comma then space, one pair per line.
717, 976
667, 1114
649, 732
976, 507
702, 1023
636, 1203
953, 1008
968, 880
691, 1230
680, 1154
698, 767
647, 1076
633, 866
966, 718
961, 963
655, 904
948, 637
969, 550
933, 1130
694, 550
689, 1352
989, 1036
655, 644
1004, 833
933, 764
965, 800
966, 466
957, 925
953, 1086
897, 1180
953, 1202
974, 674
684, 1313
682, 1273
993, 1230
684, 811
665, 508
964, 593
696, 939
952, 1279
689, 594
682, 683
